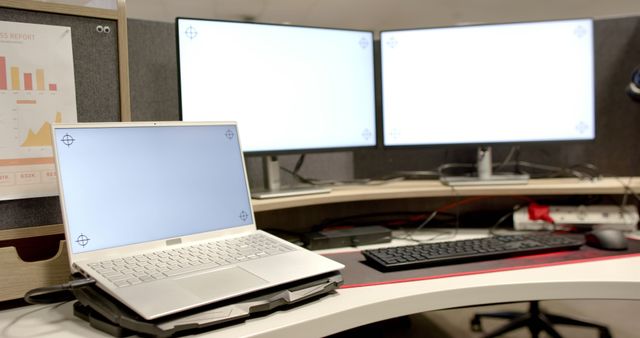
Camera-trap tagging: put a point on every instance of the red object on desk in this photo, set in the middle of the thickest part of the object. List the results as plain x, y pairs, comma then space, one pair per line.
539, 212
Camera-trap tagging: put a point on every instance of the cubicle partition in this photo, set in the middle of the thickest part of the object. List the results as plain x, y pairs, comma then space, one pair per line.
102, 94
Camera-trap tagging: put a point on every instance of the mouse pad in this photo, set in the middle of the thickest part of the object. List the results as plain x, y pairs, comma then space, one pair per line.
357, 273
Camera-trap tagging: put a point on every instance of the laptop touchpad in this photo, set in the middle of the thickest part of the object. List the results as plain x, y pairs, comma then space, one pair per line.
221, 283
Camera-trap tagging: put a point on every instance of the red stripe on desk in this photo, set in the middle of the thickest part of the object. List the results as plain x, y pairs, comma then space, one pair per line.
510, 268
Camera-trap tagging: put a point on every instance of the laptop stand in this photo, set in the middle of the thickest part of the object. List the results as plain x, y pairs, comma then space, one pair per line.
106, 314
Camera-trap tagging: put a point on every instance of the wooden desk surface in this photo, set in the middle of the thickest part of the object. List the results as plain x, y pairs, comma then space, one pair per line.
407, 189
433, 188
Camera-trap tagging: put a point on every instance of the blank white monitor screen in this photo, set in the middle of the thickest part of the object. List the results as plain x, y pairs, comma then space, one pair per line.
288, 87
486, 84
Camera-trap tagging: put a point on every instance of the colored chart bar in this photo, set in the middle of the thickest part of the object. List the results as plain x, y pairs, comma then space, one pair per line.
28, 81
3, 73
27, 78
26, 101
26, 161
40, 79
15, 78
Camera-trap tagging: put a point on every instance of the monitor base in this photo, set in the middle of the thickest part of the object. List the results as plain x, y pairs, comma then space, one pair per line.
496, 179
289, 192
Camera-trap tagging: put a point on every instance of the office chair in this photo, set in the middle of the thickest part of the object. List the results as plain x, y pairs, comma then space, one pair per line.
536, 320
633, 89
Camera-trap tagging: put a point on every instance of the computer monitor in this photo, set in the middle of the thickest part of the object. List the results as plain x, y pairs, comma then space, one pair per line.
488, 84
292, 89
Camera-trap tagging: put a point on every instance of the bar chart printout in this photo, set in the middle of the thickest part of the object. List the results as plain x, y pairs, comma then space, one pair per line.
37, 88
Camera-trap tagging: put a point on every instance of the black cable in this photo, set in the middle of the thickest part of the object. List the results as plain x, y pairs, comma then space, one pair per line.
457, 228
581, 171
553, 171
299, 164
56, 293
416, 174
494, 227
628, 190
595, 171
318, 182
517, 160
442, 168
515, 150
298, 176
452, 234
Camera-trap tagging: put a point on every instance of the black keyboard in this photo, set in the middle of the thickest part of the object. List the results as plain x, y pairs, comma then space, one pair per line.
459, 251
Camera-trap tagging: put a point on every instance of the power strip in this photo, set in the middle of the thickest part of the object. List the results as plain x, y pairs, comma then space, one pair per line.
594, 216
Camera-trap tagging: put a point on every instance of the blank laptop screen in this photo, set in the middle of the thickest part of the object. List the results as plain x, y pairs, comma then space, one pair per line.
126, 185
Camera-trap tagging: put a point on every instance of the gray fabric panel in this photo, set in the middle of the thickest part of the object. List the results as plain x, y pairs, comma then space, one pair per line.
95, 59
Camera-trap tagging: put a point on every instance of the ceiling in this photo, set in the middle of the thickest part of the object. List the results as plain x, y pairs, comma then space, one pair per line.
379, 14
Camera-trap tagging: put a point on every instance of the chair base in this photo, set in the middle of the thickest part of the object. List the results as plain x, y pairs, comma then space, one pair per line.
536, 320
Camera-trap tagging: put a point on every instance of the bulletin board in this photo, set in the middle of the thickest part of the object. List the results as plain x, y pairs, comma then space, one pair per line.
100, 62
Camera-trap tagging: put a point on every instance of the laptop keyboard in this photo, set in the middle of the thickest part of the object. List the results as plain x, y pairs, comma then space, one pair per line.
172, 262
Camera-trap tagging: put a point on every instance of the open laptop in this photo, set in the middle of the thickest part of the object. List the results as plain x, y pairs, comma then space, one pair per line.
159, 214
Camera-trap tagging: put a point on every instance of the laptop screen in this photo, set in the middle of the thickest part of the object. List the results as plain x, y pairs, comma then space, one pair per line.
132, 184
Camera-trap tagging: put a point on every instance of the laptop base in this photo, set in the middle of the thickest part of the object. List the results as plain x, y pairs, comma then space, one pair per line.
106, 314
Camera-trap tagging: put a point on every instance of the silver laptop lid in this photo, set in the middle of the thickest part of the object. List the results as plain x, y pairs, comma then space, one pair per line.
123, 184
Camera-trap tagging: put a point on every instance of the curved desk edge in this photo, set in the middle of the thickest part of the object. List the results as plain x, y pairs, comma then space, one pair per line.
433, 188
349, 308
613, 279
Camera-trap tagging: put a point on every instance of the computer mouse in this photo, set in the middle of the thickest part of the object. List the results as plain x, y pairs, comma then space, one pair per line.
606, 239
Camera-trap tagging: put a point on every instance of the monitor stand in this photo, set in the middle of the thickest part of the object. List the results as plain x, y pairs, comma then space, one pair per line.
271, 170
485, 175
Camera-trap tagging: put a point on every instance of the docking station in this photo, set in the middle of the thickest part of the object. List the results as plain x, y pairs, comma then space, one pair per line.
328, 239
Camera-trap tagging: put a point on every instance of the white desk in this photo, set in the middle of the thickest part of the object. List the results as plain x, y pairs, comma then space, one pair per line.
617, 278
